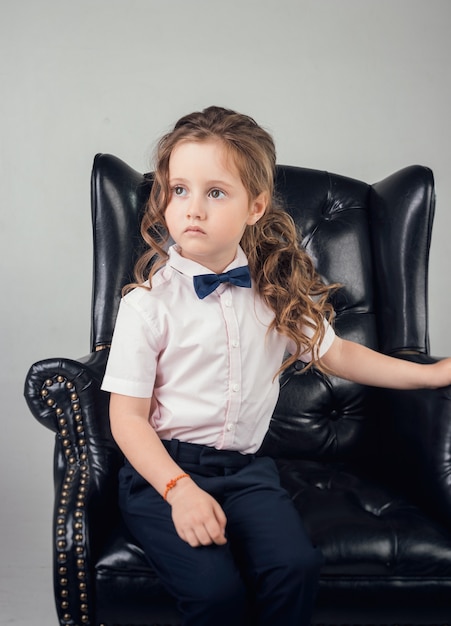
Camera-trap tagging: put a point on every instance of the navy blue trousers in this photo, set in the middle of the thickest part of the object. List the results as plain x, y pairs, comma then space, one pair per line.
266, 574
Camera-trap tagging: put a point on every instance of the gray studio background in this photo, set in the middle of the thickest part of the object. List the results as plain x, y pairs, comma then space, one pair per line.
357, 87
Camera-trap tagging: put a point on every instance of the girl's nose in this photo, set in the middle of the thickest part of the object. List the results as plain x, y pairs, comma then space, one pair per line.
196, 209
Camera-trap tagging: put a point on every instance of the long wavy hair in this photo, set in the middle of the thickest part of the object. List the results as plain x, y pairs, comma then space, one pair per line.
283, 273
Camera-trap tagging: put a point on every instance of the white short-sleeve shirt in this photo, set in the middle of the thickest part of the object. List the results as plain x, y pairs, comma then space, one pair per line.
208, 364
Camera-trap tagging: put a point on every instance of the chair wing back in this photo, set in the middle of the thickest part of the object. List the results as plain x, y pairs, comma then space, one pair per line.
401, 213
118, 197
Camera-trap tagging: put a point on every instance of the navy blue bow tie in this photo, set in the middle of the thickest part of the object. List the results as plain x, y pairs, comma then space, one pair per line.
207, 283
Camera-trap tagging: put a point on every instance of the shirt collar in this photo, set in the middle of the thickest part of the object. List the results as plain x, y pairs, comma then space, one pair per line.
191, 268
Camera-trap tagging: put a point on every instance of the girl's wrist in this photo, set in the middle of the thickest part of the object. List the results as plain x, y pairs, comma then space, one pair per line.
172, 484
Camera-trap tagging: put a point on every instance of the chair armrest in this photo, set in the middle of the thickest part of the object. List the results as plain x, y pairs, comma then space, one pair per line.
64, 395
419, 425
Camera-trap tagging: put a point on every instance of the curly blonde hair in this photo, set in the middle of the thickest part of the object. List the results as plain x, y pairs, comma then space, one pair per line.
284, 275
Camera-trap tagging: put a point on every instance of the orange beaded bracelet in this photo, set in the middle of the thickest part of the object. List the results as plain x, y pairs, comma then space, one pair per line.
172, 483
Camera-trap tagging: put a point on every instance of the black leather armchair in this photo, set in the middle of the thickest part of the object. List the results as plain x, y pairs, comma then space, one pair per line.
369, 469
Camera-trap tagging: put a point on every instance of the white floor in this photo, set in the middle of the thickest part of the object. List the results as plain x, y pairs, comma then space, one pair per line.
26, 597
26, 502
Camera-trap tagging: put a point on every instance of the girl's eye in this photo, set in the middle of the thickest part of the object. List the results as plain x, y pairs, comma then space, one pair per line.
178, 190
216, 194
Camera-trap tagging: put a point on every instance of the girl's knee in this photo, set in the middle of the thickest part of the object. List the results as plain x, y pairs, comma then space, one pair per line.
314, 557
216, 594
221, 591
307, 563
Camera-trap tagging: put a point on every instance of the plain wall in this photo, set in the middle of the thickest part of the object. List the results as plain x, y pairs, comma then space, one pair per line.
356, 87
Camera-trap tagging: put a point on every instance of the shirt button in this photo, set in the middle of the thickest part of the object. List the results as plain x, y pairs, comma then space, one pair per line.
229, 426
235, 387
235, 343
228, 303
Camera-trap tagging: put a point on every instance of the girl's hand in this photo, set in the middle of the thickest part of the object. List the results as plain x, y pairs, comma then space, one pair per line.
198, 518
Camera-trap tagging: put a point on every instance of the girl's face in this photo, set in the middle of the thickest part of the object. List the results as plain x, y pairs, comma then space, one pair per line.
209, 207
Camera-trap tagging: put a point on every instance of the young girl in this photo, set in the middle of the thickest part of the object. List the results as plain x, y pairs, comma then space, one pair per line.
193, 372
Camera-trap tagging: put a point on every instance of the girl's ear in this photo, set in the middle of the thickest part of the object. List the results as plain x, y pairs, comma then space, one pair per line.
257, 208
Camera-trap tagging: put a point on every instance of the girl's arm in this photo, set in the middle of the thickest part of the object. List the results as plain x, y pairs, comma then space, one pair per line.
355, 362
198, 518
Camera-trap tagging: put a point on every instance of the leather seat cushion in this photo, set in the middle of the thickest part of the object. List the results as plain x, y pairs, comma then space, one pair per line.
362, 528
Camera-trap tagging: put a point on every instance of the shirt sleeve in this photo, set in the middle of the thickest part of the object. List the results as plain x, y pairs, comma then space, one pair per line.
132, 362
323, 347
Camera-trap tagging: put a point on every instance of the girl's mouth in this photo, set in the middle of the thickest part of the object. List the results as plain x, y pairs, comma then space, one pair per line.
194, 230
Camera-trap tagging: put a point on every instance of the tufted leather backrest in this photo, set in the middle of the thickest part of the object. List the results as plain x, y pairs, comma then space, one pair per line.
373, 239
